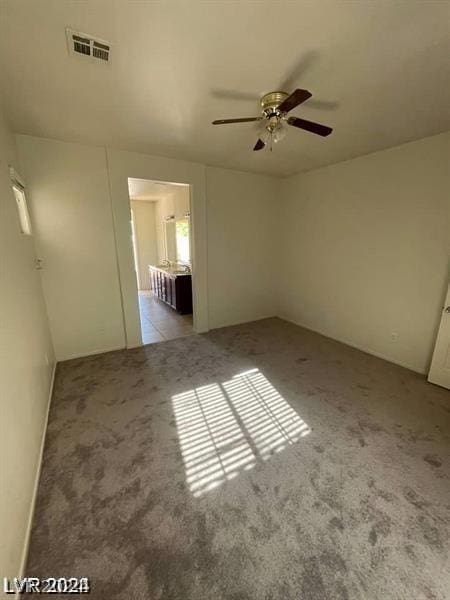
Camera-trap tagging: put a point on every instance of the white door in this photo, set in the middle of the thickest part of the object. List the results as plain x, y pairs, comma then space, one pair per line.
440, 364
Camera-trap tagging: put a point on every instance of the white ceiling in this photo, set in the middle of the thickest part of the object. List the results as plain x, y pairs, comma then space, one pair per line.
377, 71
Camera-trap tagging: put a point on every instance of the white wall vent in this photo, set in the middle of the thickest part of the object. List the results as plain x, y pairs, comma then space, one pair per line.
85, 46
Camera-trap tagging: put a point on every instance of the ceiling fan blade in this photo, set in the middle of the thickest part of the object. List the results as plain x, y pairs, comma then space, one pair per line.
296, 98
244, 120
322, 130
259, 145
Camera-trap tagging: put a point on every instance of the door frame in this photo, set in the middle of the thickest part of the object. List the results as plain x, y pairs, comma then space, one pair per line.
437, 374
121, 166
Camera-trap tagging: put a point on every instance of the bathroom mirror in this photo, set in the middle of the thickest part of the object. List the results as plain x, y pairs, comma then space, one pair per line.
170, 241
182, 241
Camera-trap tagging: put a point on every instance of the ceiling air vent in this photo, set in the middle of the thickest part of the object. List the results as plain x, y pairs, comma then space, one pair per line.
85, 46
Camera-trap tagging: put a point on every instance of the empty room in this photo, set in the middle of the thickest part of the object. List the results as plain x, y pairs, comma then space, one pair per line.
225, 305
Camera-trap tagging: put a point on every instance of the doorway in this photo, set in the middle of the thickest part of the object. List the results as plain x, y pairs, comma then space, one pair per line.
440, 363
161, 236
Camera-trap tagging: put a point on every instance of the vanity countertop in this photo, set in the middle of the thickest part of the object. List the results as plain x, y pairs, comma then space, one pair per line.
172, 271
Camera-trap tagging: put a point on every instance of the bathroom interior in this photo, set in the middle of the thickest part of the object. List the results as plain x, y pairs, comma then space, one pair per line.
161, 236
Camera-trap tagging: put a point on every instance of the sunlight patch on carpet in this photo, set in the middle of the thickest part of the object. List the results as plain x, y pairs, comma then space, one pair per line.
224, 429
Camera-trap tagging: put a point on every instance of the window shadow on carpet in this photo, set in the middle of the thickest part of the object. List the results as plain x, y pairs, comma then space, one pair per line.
226, 428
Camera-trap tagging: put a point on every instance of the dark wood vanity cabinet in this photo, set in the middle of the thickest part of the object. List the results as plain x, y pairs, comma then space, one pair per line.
173, 288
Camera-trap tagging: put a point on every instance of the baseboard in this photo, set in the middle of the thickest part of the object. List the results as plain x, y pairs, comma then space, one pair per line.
356, 346
23, 562
241, 322
90, 353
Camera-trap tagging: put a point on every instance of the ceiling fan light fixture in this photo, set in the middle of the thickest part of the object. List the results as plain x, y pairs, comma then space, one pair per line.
265, 134
272, 131
279, 132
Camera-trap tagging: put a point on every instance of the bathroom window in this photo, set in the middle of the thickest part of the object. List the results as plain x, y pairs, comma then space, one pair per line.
182, 241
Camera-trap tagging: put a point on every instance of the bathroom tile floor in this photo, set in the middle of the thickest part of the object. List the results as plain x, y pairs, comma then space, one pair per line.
159, 322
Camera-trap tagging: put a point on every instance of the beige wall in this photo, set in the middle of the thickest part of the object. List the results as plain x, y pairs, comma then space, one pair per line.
359, 249
77, 195
26, 367
69, 194
242, 235
365, 247
225, 246
146, 242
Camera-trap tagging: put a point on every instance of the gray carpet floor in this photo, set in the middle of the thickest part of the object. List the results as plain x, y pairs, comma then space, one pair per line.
256, 462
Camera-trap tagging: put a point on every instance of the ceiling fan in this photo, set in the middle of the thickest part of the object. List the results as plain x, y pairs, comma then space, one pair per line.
275, 106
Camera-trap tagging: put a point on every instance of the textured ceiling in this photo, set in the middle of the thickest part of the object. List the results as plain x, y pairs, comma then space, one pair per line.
377, 71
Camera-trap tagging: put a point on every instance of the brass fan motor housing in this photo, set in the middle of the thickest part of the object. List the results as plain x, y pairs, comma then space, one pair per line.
271, 101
